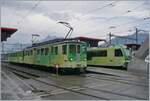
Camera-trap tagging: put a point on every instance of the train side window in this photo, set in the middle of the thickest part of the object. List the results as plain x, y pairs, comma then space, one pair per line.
89, 55
118, 53
46, 51
78, 48
38, 51
103, 53
28, 53
52, 49
31, 52
42, 51
56, 50
64, 49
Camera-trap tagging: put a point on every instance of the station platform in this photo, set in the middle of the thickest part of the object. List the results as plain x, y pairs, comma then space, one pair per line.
13, 88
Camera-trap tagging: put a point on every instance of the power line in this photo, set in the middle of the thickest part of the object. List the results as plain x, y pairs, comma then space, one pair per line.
97, 9
29, 12
128, 11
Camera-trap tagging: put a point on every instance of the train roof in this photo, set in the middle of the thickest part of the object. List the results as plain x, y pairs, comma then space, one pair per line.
102, 48
60, 40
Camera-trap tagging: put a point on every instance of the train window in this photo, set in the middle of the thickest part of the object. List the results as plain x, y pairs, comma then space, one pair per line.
72, 49
78, 48
42, 51
89, 55
52, 50
28, 53
118, 53
56, 50
38, 51
64, 49
46, 51
102, 53
31, 52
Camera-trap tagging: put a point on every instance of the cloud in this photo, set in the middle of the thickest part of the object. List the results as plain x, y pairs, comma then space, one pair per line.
86, 17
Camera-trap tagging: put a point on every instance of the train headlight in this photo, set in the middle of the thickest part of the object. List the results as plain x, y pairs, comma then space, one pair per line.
85, 59
71, 59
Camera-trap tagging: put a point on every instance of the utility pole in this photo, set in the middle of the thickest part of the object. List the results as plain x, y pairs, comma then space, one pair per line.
109, 38
2, 48
136, 33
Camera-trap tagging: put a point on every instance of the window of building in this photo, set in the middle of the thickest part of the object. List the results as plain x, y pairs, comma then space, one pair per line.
64, 49
118, 53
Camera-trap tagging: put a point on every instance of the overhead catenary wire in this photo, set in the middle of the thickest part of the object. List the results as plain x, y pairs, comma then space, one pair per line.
128, 11
27, 14
120, 25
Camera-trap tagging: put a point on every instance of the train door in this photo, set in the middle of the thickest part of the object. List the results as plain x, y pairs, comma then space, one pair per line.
118, 57
110, 59
78, 52
34, 55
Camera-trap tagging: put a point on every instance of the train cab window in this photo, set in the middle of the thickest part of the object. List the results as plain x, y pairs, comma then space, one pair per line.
64, 49
46, 51
118, 53
56, 50
78, 48
72, 49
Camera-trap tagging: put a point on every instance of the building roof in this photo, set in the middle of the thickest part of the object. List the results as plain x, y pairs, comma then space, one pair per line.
7, 32
89, 39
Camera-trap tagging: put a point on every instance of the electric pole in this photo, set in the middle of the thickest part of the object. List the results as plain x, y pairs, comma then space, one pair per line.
109, 38
136, 33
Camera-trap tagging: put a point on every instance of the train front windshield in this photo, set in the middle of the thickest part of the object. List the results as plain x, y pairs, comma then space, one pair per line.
128, 53
72, 49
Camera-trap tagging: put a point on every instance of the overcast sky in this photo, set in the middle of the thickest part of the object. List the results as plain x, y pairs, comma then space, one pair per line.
88, 18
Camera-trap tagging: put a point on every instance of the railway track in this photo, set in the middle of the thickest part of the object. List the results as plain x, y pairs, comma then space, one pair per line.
55, 85
77, 88
99, 76
123, 81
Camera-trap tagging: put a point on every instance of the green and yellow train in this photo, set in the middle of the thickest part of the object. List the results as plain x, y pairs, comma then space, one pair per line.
113, 56
61, 54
